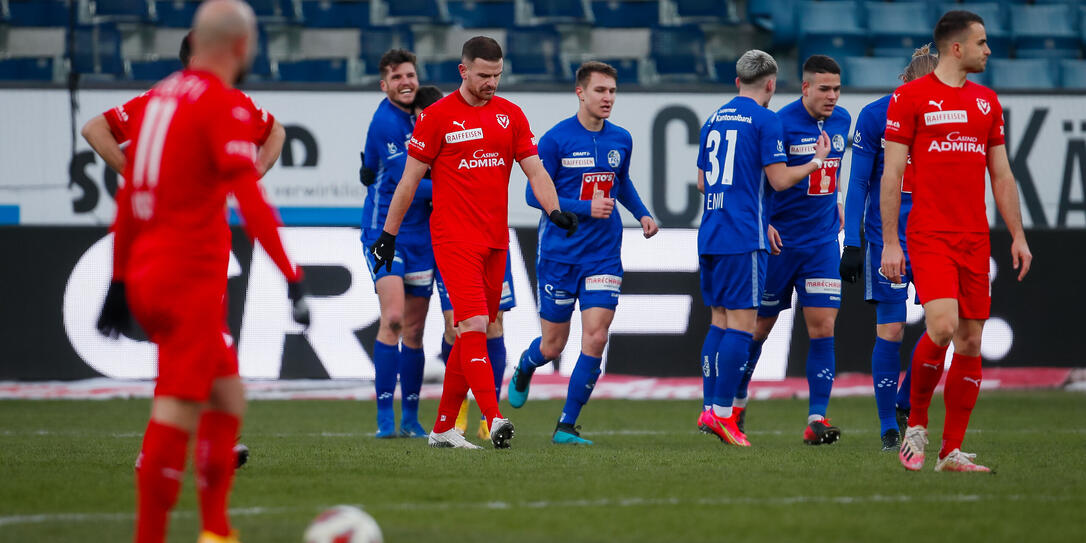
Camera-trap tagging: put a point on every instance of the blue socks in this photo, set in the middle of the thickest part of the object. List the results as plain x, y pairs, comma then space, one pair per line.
821, 364
446, 350
885, 369
732, 355
386, 363
581, 383
748, 369
903, 391
412, 362
495, 351
534, 357
708, 360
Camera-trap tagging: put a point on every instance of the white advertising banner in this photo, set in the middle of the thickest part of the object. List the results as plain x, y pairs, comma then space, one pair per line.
43, 182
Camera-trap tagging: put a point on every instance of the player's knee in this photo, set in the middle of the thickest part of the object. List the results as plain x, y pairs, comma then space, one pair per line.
392, 322
820, 328
967, 344
941, 329
894, 331
594, 341
551, 348
412, 336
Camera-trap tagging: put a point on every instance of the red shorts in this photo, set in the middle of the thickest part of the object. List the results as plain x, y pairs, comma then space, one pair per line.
473, 276
953, 265
186, 321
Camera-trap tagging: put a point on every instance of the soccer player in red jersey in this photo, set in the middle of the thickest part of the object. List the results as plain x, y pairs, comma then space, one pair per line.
193, 147
469, 140
953, 130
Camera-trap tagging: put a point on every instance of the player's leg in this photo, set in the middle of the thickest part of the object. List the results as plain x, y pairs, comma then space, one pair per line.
818, 286
889, 299
412, 363
448, 337
386, 351
454, 389
712, 338
215, 462
495, 350
557, 294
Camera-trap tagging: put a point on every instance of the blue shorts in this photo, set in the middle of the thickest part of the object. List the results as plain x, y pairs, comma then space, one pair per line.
733, 281
592, 284
414, 261
812, 271
880, 290
509, 297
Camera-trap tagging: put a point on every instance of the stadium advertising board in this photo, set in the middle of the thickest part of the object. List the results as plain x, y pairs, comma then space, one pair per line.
316, 180
59, 276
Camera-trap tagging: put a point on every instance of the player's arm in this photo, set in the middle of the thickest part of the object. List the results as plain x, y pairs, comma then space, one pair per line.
99, 135
548, 155
115, 318
1005, 191
782, 177
859, 185
413, 171
701, 180
631, 200
893, 258
271, 148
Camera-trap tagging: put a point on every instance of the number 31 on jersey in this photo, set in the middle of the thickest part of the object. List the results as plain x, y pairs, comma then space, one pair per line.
712, 145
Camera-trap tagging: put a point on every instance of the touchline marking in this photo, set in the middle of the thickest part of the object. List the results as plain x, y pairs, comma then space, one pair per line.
12, 520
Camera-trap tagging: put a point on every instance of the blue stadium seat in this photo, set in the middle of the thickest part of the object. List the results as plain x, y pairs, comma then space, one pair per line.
375, 40
628, 69
830, 28
679, 51
26, 69
38, 12
995, 25
415, 10
121, 9
876, 73
445, 71
314, 70
97, 49
534, 52
1073, 74
558, 11
272, 10
1019, 74
724, 70
703, 9
1044, 32
897, 29
153, 70
760, 13
175, 13
785, 22
625, 13
481, 13
336, 13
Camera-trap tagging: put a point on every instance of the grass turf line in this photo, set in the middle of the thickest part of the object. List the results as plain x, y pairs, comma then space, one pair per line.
650, 477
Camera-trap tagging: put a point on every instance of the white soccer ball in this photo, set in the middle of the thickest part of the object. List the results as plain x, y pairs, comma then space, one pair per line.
343, 524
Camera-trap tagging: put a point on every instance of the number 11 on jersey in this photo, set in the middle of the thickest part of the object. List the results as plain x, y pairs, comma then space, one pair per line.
712, 145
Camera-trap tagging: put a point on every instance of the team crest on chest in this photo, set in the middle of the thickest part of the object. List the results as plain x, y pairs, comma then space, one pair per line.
984, 106
613, 158
503, 120
838, 143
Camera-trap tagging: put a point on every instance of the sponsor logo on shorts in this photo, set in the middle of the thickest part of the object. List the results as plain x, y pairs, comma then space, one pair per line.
578, 162
899, 286
464, 135
612, 283
421, 278
945, 117
823, 286
481, 159
507, 290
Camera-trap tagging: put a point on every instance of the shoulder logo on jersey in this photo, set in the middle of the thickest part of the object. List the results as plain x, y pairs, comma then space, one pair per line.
856, 139
597, 185
578, 162
938, 104
780, 146
984, 106
613, 158
838, 143
419, 144
241, 114
895, 96
392, 149
503, 120
481, 159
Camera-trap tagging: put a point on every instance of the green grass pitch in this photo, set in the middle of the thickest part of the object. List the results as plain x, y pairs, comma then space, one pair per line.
66, 475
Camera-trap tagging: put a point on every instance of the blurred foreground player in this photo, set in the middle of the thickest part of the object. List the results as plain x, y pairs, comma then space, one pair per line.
952, 130
171, 250
862, 206
741, 156
589, 159
470, 139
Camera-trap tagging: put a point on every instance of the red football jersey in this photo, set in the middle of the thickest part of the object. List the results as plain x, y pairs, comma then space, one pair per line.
190, 149
121, 124
471, 151
949, 131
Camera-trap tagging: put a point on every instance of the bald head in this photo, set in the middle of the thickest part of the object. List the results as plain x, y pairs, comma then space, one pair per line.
220, 24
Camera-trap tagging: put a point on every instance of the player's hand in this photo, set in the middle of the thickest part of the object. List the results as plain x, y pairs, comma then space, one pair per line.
384, 251
1021, 257
648, 227
115, 318
841, 217
299, 309
822, 146
893, 263
852, 261
566, 220
602, 207
366, 176
775, 243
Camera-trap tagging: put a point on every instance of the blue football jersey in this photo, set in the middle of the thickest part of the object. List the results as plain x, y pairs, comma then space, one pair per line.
737, 142
863, 196
807, 214
386, 154
585, 165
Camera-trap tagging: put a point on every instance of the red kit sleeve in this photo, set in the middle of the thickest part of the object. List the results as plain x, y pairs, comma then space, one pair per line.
122, 119
523, 139
901, 118
425, 138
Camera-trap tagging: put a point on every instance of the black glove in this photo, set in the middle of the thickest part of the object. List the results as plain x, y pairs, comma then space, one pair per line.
852, 263
566, 220
299, 309
366, 175
384, 251
115, 318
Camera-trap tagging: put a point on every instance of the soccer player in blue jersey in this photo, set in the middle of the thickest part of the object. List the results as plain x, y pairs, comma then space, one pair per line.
741, 151
808, 219
862, 207
404, 292
589, 159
